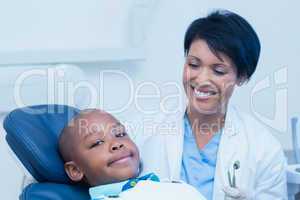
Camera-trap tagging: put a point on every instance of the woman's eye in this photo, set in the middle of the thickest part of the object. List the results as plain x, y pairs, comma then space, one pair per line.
96, 143
220, 71
121, 134
193, 65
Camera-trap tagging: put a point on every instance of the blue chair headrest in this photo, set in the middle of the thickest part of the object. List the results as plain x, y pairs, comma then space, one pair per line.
50, 191
32, 133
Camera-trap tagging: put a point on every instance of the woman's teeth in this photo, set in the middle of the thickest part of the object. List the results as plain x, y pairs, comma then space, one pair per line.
203, 94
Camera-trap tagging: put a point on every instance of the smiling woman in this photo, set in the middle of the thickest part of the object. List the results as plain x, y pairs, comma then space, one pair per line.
208, 80
214, 146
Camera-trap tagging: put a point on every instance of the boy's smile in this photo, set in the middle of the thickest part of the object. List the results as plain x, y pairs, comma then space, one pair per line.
120, 160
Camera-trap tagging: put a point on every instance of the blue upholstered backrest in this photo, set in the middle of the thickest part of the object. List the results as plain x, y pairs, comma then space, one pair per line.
32, 133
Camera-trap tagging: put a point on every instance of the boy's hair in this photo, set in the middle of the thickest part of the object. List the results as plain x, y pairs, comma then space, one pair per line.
65, 143
66, 139
228, 33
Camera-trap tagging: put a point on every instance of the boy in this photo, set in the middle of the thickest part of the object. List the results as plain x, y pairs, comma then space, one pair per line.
98, 152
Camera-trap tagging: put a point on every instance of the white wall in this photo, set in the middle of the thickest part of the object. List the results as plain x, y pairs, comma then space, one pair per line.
275, 23
42, 25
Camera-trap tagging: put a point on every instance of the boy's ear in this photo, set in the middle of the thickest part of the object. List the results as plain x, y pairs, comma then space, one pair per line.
73, 171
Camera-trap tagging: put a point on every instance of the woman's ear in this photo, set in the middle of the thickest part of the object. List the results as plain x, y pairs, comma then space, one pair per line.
73, 171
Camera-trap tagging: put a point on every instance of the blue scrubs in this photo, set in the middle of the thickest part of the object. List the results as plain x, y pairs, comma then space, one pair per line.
198, 165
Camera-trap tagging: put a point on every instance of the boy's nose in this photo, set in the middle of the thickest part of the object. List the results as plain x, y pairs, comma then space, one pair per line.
116, 146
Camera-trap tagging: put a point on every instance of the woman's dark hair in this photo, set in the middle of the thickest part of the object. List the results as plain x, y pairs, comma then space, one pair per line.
228, 33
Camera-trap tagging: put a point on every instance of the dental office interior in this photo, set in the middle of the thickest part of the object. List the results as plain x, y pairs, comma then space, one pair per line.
126, 57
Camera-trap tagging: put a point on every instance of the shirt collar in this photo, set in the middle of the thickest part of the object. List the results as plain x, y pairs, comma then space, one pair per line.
114, 189
99, 192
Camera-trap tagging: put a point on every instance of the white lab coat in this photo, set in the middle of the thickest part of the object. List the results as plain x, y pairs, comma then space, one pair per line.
150, 190
262, 172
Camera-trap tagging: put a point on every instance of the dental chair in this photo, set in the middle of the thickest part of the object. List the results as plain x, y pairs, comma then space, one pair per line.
293, 169
32, 134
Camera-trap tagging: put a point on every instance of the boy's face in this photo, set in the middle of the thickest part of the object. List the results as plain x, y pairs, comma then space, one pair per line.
104, 153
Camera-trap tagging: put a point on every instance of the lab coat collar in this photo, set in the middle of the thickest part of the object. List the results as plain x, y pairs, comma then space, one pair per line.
174, 147
230, 127
233, 147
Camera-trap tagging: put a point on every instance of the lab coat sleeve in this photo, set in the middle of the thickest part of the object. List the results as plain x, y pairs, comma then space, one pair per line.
271, 174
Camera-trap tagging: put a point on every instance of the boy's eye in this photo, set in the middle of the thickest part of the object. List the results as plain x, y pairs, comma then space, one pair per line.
96, 143
122, 134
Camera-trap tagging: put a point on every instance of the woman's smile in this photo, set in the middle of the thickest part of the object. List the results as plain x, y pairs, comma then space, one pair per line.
203, 92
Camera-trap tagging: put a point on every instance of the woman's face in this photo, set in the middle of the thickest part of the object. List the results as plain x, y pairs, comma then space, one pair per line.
208, 79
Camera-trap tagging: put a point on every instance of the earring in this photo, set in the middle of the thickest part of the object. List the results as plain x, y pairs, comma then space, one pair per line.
241, 82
